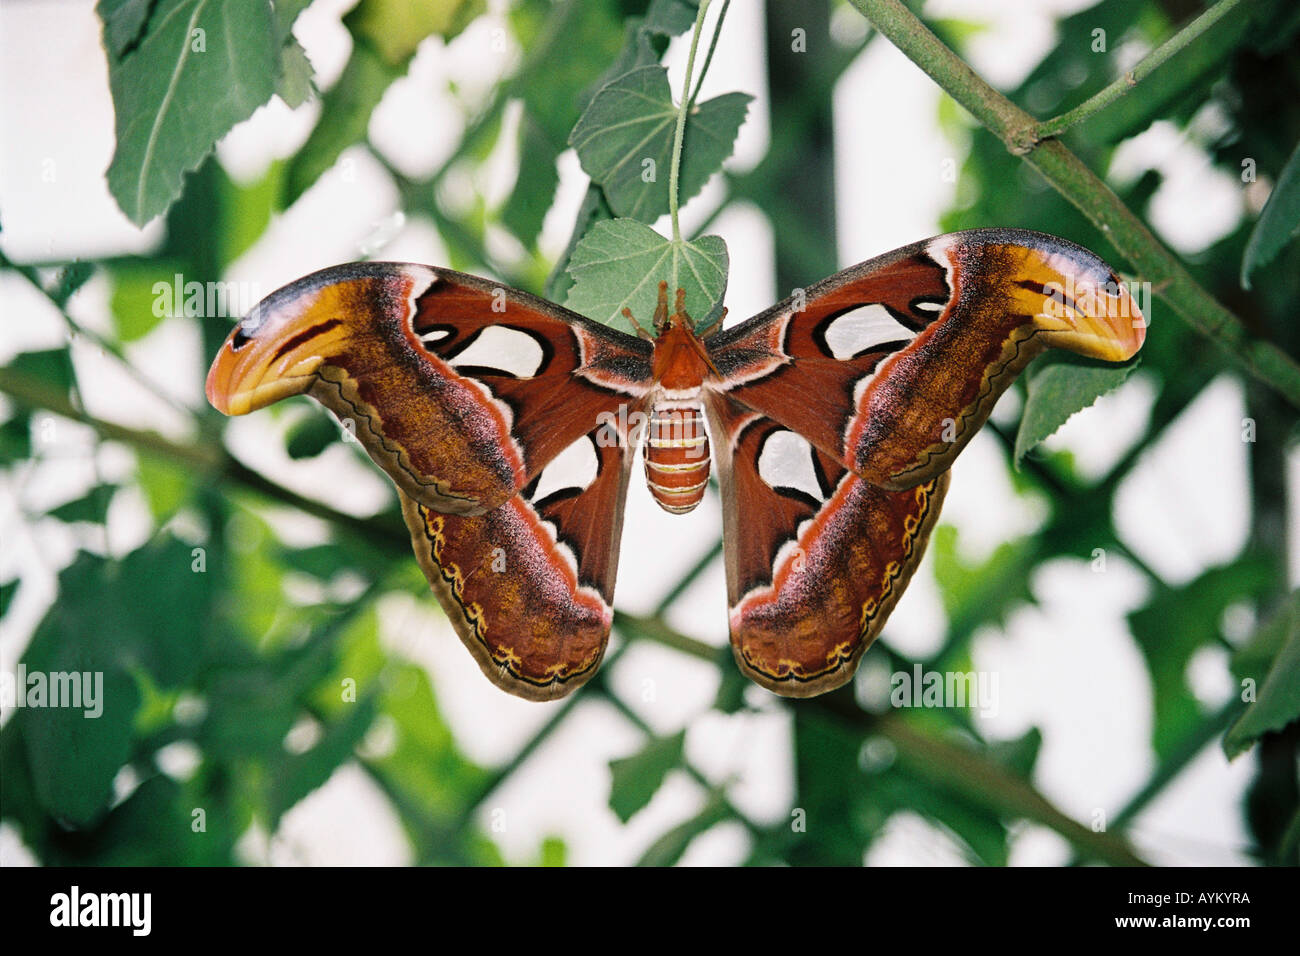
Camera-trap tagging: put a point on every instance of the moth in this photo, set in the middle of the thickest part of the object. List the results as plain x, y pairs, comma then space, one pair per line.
510, 427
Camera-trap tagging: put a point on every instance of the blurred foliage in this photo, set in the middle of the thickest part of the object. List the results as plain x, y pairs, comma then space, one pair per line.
241, 673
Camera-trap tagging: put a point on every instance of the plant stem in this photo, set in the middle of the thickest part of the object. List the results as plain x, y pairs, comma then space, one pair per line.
983, 781
29, 273
1149, 63
1069, 176
708, 57
680, 132
210, 460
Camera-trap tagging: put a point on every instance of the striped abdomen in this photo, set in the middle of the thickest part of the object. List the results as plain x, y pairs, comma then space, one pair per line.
677, 457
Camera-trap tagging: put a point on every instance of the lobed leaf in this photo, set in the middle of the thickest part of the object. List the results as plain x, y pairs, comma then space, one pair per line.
636, 779
619, 264
624, 141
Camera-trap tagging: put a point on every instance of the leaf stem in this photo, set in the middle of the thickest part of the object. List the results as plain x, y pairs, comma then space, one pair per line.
1151, 62
708, 57
1072, 178
680, 132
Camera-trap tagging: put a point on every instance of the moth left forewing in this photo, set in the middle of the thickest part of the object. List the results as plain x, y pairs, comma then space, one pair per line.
816, 558
898, 361
529, 586
460, 389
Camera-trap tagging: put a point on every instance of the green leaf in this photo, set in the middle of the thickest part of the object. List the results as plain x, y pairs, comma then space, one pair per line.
202, 67
978, 594
534, 189
51, 367
298, 775
594, 209
311, 435
637, 778
624, 141
16, 439
619, 264
73, 755
286, 14
828, 825
670, 17
1279, 222
910, 789
345, 115
165, 485
554, 852
731, 690
248, 211
1058, 389
395, 28
296, 84
147, 611
7, 594
1019, 754
123, 21
90, 508
425, 765
136, 307
321, 561
1278, 702
1254, 658
668, 849
1174, 625
71, 278
638, 49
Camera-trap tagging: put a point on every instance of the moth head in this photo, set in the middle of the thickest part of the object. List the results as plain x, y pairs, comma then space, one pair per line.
278, 348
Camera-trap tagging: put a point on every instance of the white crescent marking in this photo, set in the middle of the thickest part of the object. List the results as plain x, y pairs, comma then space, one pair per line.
863, 329
575, 467
785, 461
503, 348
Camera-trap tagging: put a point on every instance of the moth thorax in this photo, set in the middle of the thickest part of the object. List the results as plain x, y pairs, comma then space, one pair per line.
677, 457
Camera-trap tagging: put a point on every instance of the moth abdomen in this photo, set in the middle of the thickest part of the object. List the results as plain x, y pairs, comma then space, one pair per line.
677, 457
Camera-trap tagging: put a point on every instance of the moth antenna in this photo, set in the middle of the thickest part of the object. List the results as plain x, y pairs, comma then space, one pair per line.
716, 327
704, 354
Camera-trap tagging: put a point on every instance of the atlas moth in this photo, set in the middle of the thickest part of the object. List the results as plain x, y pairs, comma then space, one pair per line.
510, 425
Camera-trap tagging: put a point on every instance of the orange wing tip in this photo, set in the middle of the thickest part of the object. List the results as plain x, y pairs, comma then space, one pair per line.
1088, 308
232, 394
275, 351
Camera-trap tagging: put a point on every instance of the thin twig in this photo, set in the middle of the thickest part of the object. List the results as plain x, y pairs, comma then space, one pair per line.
708, 57
680, 132
1151, 62
77, 329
